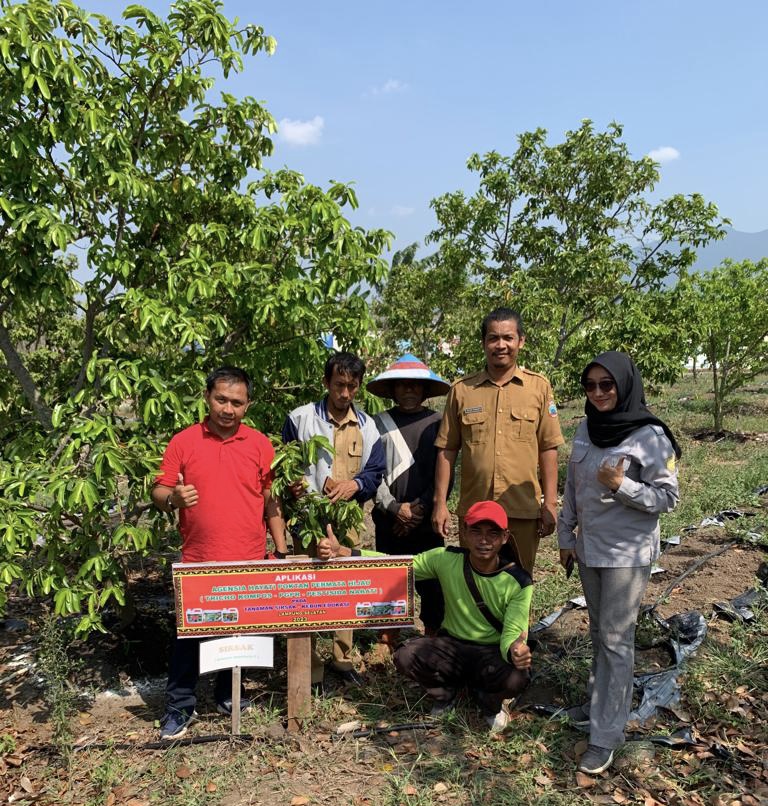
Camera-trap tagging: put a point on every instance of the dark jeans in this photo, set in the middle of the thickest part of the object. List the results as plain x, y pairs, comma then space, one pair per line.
444, 664
183, 675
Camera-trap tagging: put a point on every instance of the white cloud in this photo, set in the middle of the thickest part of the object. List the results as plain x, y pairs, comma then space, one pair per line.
394, 85
402, 211
301, 132
664, 154
388, 87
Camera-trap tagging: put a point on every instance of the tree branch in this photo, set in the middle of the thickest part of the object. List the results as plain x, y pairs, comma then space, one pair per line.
15, 364
89, 342
136, 511
65, 516
562, 338
646, 258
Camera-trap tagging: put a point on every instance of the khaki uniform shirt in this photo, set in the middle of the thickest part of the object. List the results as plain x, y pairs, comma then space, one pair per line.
500, 431
348, 447
348, 444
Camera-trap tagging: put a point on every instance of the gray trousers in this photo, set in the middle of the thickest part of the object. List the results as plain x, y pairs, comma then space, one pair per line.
613, 599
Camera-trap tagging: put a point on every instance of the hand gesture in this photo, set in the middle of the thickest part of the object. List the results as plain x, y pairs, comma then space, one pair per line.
567, 560
400, 529
611, 475
341, 490
547, 519
441, 519
298, 488
407, 515
520, 653
328, 546
184, 495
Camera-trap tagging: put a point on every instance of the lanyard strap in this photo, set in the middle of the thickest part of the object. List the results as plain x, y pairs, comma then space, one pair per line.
482, 606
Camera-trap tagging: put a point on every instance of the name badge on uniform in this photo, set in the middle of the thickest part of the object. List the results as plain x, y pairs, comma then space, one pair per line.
473, 410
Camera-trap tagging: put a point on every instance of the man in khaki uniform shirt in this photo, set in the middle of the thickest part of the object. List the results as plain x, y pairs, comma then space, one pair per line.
352, 472
504, 421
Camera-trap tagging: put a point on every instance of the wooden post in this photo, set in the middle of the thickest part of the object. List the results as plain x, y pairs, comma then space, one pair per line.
299, 679
236, 681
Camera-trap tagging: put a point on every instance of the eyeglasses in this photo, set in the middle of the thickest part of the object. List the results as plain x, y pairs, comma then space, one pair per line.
604, 386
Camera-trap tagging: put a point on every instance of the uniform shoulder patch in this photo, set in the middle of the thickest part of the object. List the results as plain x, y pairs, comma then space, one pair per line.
671, 462
552, 409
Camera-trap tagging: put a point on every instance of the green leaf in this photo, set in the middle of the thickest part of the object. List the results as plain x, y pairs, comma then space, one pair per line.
182, 245
66, 602
42, 85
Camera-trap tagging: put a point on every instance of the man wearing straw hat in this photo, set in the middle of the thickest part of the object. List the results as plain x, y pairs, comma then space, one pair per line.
403, 511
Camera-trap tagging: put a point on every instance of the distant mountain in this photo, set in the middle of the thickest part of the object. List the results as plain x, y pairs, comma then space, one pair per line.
736, 246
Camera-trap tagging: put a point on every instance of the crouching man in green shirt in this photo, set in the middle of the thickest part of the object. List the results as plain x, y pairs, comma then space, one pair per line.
482, 641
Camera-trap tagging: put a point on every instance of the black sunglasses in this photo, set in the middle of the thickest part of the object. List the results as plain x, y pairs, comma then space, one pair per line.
605, 386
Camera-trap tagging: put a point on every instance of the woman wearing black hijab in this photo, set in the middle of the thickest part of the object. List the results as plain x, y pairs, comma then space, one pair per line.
621, 476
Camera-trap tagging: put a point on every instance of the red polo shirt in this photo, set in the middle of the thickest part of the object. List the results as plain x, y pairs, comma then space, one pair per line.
231, 476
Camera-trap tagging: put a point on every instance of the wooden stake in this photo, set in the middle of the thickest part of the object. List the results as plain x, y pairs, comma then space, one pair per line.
236, 678
299, 679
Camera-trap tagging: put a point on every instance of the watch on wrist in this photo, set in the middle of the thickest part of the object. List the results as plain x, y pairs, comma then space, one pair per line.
280, 555
169, 503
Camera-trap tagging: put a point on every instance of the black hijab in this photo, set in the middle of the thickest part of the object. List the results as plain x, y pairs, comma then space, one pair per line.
610, 428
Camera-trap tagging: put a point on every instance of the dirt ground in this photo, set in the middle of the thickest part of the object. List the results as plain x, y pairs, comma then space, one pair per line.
120, 689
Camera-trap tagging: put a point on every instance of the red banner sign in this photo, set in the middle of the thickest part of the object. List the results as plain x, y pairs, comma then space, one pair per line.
278, 596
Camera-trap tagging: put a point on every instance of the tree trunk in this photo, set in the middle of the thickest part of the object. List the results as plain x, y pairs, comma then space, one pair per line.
718, 412
719, 377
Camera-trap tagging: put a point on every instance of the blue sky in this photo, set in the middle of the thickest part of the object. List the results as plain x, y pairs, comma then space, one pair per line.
395, 96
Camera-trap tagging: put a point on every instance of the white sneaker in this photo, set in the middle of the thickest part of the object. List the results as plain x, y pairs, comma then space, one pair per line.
595, 760
497, 722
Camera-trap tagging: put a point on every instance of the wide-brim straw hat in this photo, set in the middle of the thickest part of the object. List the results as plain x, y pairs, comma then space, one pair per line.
409, 368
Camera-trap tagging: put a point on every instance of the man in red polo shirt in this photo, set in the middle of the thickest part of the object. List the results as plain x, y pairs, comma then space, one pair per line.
217, 474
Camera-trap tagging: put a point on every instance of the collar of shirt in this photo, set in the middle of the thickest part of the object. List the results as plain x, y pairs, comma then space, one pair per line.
349, 417
239, 434
517, 376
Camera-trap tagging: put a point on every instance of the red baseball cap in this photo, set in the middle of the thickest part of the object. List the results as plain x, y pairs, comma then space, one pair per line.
487, 511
